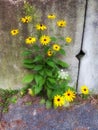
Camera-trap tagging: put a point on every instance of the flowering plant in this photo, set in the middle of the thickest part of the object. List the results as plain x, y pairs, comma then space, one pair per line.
43, 53
85, 92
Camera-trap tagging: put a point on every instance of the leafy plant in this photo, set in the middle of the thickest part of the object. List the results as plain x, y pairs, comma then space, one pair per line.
43, 58
7, 97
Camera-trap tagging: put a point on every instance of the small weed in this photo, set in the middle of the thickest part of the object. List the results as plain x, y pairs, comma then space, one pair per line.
7, 97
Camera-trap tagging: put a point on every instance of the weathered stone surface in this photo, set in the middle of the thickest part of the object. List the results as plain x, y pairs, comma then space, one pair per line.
37, 117
73, 12
10, 48
11, 71
89, 63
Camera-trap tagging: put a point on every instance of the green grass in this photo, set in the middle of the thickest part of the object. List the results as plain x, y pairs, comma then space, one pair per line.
7, 97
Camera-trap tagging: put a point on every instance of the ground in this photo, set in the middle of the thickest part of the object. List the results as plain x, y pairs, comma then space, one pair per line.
28, 114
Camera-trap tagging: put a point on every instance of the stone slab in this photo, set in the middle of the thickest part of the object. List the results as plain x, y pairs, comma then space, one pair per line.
89, 64
10, 49
11, 69
37, 117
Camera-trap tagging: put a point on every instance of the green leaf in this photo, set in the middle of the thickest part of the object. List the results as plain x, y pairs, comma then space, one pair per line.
62, 51
48, 104
63, 85
26, 52
51, 85
51, 63
48, 72
62, 64
37, 67
42, 101
54, 39
13, 100
52, 81
42, 72
28, 66
28, 78
36, 47
57, 92
28, 61
49, 93
37, 89
39, 79
38, 58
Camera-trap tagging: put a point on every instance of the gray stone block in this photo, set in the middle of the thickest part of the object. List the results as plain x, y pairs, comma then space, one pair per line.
89, 64
12, 71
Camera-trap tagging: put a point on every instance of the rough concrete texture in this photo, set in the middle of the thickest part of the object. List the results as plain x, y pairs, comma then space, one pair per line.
10, 48
11, 71
89, 64
37, 117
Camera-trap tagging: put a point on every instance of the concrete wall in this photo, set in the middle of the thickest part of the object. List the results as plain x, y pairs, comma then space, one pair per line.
89, 64
73, 11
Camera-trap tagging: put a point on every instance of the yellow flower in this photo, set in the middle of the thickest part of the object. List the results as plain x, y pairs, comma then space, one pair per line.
59, 100
41, 27
14, 32
51, 16
56, 47
69, 95
68, 39
30, 92
49, 53
26, 19
44, 40
84, 89
61, 23
30, 40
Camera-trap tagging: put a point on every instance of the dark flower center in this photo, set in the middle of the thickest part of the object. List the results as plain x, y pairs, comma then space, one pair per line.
45, 40
29, 38
58, 99
41, 25
85, 89
26, 20
68, 94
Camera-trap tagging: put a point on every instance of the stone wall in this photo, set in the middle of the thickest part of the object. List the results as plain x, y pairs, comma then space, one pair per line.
73, 11
88, 74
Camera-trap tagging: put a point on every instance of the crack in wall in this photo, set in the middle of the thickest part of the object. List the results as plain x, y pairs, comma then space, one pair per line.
81, 53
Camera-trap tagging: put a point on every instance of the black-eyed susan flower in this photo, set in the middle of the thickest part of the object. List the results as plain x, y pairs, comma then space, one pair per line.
59, 100
44, 39
56, 47
26, 19
61, 23
50, 53
51, 16
69, 95
68, 39
41, 27
30, 40
14, 32
84, 89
